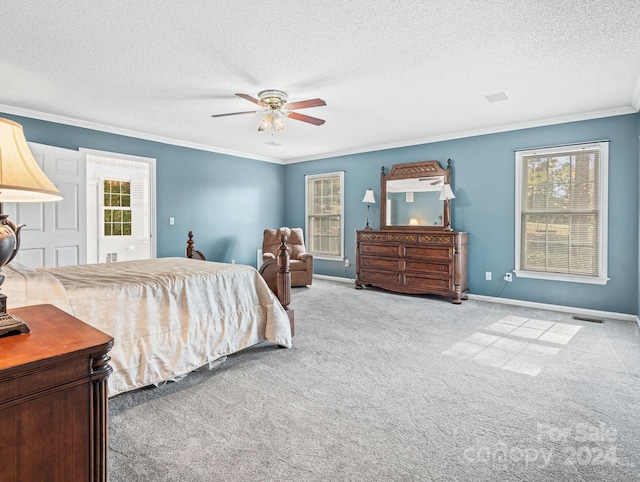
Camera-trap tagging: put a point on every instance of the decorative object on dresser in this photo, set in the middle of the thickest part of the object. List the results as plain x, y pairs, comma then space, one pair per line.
446, 195
53, 399
369, 199
21, 180
416, 251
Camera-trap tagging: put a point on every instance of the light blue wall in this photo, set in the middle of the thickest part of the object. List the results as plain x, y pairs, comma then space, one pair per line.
226, 201
483, 180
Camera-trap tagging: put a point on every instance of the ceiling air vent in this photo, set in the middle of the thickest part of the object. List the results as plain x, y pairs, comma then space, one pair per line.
499, 97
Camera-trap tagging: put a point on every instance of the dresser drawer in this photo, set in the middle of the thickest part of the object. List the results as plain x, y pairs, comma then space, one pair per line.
372, 277
40, 379
428, 283
444, 253
444, 269
380, 249
413, 261
381, 263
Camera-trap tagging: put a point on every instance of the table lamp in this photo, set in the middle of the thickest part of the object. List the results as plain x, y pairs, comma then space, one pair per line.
446, 195
369, 199
21, 180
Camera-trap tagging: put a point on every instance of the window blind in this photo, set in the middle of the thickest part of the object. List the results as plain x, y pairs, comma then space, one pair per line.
560, 212
324, 205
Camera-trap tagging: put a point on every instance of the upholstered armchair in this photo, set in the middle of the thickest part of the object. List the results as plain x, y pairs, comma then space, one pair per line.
300, 262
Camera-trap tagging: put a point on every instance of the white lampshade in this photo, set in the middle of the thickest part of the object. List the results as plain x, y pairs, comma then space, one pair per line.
21, 179
278, 123
446, 192
266, 122
272, 120
368, 197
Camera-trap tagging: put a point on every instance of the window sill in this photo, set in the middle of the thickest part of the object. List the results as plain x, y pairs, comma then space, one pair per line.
326, 257
562, 277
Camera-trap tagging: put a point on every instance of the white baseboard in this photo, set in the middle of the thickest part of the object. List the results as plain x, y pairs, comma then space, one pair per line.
528, 304
333, 278
565, 309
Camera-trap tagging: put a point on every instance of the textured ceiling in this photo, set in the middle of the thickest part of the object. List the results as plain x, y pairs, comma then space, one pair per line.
392, 73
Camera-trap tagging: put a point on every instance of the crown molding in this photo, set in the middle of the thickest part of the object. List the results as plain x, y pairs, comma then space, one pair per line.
380, 147
70, 121
473, 133
635, 100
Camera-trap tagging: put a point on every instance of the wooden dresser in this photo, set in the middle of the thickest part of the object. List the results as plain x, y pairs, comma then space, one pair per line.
416, 262
53, 399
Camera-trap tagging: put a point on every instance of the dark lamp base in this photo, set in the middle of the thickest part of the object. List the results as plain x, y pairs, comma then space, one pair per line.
12, 325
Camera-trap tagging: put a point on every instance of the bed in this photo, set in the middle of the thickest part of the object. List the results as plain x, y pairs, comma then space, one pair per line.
168, 316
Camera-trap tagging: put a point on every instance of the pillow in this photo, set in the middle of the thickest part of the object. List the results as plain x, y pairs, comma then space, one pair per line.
25, 286
15, 285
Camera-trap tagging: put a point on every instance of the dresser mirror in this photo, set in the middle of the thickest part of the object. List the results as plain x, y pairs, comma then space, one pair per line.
410, 196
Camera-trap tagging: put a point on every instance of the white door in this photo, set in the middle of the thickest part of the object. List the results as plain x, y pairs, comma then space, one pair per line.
56, 232
135, 177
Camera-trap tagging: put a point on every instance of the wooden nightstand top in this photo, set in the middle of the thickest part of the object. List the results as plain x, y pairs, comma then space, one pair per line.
54, 333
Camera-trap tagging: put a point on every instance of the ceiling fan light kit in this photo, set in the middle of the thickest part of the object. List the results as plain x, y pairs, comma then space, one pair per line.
276, 108
273, 99
273, 121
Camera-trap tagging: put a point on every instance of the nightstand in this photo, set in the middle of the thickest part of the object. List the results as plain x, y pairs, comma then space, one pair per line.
53, 399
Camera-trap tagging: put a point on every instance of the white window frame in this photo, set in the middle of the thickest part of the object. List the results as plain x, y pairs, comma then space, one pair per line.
307, 231
603, 175
103, 207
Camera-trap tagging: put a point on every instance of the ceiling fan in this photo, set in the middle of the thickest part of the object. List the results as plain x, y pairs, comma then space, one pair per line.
275, 109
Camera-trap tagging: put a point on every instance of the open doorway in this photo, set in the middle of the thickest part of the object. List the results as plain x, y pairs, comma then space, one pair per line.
120, 207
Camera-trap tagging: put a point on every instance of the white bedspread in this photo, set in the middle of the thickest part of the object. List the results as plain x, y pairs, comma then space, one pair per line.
168, 316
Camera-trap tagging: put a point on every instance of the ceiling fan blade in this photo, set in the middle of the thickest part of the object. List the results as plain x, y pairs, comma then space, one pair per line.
306, 118
235, 113
252, 99
303, 104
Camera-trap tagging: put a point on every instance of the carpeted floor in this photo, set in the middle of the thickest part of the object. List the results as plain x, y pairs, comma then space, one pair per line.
387, 387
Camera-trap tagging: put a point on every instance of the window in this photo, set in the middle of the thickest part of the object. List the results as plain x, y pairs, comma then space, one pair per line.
117, 208
561, 213
324, 219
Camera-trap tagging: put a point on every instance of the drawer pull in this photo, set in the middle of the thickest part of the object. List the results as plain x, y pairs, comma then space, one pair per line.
443, 253
411, 265
441, 283
441, 268
368, 248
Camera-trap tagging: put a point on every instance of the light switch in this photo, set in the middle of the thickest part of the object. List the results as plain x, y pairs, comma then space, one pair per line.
171, 221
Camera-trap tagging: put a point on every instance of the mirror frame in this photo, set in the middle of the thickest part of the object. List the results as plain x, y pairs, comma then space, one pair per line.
414, 170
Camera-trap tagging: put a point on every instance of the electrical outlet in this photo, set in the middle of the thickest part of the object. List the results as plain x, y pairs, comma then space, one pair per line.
346, 262
487, 276
508, 277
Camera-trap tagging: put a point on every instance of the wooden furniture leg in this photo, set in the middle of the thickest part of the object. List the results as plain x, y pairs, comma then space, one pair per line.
283, 291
